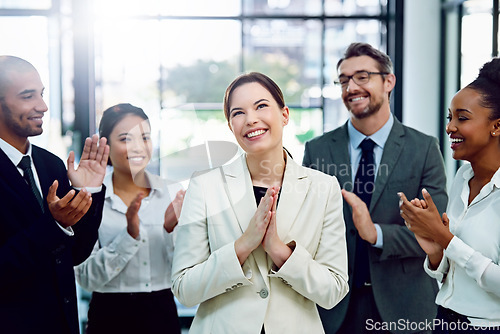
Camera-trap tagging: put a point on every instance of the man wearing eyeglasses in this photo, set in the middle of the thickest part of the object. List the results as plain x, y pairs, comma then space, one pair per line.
374, 157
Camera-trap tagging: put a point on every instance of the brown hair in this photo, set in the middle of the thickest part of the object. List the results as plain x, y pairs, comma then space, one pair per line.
259, 78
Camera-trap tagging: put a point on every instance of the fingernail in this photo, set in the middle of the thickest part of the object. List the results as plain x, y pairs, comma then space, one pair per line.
425, 190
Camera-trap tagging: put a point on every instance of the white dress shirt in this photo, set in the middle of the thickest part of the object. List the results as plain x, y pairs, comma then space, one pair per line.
120, 263
469, 269
379, 138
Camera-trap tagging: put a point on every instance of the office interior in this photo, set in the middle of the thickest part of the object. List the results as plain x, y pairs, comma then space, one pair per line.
174, 59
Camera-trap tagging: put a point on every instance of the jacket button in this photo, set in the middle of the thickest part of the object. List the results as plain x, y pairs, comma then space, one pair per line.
263, 293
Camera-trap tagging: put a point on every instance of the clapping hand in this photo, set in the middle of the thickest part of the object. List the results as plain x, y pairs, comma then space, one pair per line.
423, 219
92, 167
132, 215
68, 210
174, 211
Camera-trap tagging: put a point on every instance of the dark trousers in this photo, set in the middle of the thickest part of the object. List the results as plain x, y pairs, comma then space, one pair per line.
361, 311
133, 313
449, 321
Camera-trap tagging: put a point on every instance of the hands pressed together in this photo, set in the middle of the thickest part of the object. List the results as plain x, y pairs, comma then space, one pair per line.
262, 230
431, 230
90, 172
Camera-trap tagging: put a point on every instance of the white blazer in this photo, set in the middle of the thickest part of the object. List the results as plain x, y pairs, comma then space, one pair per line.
237, 299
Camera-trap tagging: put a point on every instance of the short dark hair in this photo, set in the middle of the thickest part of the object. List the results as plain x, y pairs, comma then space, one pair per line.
9, 64
259, 78
365, 49
113, 115
487, 84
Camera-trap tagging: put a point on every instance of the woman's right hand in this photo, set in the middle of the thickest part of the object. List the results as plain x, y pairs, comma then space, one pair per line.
133, 216
252, 237
428, 245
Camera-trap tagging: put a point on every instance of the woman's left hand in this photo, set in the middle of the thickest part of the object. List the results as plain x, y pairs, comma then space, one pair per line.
425, 221
273, 245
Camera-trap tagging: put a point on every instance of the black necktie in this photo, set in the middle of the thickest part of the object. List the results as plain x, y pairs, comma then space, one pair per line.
364, 184
25, 165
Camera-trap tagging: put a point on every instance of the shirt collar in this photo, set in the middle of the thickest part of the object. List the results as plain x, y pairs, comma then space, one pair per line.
14, 155
154, 180
379, 137
469, 173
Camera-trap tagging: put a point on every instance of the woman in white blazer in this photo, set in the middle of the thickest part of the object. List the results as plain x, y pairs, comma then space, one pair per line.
261, 240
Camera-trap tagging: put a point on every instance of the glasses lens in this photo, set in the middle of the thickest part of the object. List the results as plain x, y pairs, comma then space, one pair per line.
361, 78
343, 80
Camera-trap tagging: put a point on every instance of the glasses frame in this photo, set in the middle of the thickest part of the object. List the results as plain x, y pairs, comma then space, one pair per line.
349, 77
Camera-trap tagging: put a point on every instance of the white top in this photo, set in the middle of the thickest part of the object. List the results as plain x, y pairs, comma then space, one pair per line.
469, 269
120, 263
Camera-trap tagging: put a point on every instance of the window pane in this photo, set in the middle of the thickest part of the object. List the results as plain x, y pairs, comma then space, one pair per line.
25, 4
199, 58
476, 47
338, 35
168, 8
33, 32
288, 51
355, 7
282, 7
201, 7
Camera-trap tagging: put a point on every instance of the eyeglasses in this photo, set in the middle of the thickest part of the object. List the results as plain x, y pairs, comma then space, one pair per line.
360, 78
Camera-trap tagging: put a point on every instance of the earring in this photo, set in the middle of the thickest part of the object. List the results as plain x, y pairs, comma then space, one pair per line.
493, 133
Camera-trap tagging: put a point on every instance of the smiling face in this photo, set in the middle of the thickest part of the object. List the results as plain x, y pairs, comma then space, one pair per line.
256, 119
366, 100
130, 145
21, 107
473, 135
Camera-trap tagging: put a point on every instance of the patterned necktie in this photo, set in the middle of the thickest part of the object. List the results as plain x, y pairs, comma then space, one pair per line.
25, 165
364, 184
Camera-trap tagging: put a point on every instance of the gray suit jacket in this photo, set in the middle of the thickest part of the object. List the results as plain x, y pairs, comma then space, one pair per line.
411, 161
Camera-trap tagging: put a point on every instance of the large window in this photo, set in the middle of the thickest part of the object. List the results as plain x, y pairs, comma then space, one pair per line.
175, 59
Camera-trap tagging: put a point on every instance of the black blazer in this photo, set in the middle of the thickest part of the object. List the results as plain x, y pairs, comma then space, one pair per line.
37, 283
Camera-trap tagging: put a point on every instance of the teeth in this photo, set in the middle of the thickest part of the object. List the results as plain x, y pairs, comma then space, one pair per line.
356, 99
255, 133
136, 159
456, 140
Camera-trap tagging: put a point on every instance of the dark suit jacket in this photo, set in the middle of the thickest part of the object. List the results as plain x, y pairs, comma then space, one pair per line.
411, 161
37, 283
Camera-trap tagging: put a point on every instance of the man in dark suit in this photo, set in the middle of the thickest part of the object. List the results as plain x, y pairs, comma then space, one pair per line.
389, 290
47, 226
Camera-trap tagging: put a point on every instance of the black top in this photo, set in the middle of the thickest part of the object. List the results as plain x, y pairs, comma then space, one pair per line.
260, 192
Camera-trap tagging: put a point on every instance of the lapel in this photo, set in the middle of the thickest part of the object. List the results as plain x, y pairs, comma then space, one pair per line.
293, 193
340, 158
392, 150
16, 184
240, 191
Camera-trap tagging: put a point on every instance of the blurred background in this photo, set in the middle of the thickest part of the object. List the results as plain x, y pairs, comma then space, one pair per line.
175, 59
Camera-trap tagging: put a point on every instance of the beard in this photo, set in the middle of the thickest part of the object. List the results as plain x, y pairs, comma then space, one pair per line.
371, 109
15, 125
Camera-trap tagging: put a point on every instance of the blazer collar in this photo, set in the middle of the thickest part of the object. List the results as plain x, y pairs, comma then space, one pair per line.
240, 191
15, 181
339, 155
392, 150
340, 159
